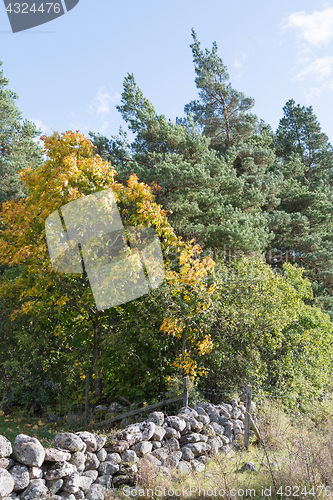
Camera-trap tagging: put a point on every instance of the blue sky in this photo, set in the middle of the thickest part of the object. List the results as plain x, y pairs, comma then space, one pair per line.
69, 72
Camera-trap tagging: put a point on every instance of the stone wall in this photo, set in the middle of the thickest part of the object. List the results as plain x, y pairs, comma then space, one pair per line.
85, 466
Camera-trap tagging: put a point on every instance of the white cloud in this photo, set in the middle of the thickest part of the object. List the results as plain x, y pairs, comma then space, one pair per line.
104, 127
238, 64
46, 130
314, 92
316, 29
313, 32
101, 103
320, 69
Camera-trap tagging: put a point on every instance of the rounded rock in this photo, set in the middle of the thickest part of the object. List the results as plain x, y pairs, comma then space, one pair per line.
34, 490
187, 454
113, 457
78, 459
69, 441
89, 439
6, 483
129, 456
28, 451
56, 455
105, 481
101, 455
5, 447
92, 462
142, 448
176, 422
184, 467
186, 410
71, 483
93, 474
59, 470
55, 485
100, 442
159, 433
20, 474
157, 417
108, 468
170, 432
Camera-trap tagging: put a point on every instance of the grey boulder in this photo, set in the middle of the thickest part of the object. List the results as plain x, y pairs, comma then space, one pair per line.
92, 462
142, 448
55, 485
20, 474
159, 433
69, 441
56, 455
5, 447
176, 422
6, 483
71, 483
89, 439
59, 470
78, 459
108, 468
198, 448
35, 490
157, 417
28, 451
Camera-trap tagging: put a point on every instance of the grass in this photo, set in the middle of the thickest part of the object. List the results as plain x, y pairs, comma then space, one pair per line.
41, 428
11, 426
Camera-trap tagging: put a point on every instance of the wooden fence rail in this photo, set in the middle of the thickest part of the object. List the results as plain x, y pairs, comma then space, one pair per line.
249, 423
140, 410
183, 397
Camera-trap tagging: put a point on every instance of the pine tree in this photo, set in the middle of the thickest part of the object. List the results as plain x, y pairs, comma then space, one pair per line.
17, 148
221, 111
299, 133
213, 197
302, 223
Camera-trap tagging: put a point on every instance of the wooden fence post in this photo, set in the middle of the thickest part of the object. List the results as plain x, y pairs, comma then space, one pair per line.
247, 416
86, 404
185, 396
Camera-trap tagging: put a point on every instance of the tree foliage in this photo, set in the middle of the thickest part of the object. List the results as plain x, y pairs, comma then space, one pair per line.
302, 223
215, 199
221, 111
17, 148
265, 334
71, 171
217, 183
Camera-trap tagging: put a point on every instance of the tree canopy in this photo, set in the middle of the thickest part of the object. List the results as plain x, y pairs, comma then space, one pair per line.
17, 147
244, 219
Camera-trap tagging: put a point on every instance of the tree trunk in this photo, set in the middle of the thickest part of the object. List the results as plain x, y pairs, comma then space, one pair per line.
97, 375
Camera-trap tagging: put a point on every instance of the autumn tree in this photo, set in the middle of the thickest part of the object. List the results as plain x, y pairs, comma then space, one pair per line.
72, 171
